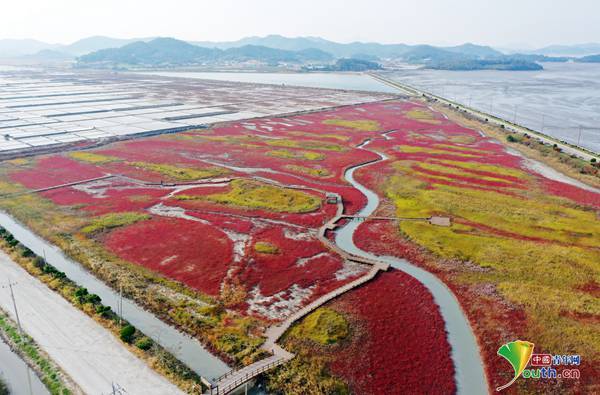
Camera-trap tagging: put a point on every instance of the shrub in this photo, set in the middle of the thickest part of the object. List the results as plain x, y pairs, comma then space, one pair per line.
39, 262
104, 311
511, 139
93, 299
144, 343
26, 252
49, 269
127, 333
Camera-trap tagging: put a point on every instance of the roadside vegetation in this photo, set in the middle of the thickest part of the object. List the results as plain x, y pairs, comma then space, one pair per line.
591, 167
48, 371
579, 169
91, 304
3, 387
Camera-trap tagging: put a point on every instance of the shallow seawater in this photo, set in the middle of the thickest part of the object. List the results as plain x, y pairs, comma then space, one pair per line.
557, 100
350, 81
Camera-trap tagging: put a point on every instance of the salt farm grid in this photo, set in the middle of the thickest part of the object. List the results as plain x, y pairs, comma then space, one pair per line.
46, 110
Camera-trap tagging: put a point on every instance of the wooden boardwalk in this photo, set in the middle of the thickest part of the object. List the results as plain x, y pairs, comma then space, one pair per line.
70, 184
235, 378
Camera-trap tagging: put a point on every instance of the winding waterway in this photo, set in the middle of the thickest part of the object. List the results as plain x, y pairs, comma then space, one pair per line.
469, 373
183, 347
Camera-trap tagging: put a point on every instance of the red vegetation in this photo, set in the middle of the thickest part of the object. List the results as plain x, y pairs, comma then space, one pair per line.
55, 170
188, 251
402, 344
573, 193
277, 272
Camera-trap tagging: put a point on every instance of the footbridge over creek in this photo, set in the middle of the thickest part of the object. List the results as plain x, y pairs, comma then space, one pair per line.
235, 378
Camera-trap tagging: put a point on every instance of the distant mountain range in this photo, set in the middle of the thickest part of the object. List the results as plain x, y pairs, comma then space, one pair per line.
274, 49
569, 50
172, 52
10, 48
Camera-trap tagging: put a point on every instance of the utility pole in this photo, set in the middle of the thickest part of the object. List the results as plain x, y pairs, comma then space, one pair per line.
579, 136
120, 306
12, 296
515, 118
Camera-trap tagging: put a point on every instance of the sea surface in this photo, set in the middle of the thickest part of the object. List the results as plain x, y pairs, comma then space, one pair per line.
350, 81
557, 100
563, 100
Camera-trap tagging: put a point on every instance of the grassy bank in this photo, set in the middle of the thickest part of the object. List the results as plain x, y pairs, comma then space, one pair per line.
53, 378
531, 147
142, 346
233, 337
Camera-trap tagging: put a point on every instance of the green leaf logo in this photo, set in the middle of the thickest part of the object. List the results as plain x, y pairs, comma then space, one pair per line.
517, 353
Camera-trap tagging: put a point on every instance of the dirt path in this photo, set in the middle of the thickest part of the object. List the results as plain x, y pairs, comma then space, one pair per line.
87, 352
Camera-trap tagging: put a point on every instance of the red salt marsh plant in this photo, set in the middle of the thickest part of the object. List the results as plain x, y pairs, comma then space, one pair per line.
191, 252
399, 340
55, 170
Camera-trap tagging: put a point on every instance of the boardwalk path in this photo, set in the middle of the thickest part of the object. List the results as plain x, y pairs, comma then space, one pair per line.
233, 379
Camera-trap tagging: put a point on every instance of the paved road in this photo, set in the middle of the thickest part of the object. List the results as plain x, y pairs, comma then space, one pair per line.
87, 352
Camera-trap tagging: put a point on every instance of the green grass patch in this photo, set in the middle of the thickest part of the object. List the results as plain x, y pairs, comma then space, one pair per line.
306, 144
411, 149
181, 173
543, 277
114, 220
257, 195
90, 157
311, 171
365, 125
324, 326
422, 115
287, 154
264, 247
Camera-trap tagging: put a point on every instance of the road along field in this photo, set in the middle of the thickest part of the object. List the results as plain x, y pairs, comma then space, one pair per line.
215, 230
87, 352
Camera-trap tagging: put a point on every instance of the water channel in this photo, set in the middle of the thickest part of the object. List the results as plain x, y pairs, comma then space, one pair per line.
183, 347
469, 373
470, 377
19, 378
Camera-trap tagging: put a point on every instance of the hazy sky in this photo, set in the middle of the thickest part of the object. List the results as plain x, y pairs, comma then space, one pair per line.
494, 22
